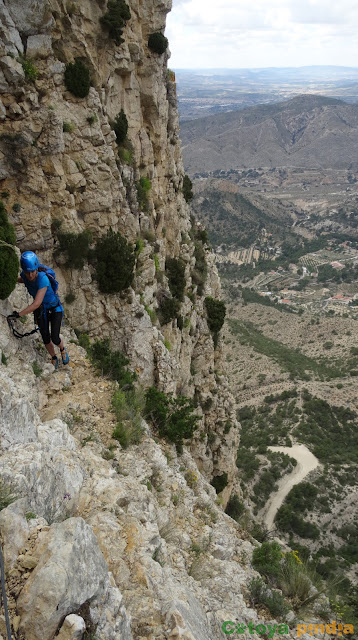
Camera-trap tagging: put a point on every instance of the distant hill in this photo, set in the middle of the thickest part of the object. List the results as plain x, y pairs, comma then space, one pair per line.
307, 131
236, 220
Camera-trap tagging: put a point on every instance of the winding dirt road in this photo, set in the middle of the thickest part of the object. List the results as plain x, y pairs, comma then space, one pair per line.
306, 462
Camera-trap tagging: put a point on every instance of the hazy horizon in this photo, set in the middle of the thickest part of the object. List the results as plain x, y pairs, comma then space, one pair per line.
238, 34
231, 69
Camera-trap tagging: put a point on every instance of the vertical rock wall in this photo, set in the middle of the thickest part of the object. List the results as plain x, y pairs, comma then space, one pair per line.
59, 163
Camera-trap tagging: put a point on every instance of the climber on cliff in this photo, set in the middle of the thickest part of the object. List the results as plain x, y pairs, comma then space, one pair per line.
47, 308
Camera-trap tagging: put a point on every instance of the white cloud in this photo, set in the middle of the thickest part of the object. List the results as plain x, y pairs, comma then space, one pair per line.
234, 33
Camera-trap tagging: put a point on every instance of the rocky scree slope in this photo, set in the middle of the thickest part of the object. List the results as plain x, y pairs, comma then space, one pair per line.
130, 547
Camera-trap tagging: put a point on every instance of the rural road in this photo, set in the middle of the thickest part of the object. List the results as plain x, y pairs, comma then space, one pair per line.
306, 462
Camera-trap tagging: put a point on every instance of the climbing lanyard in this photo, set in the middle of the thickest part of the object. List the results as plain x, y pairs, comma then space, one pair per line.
10, 320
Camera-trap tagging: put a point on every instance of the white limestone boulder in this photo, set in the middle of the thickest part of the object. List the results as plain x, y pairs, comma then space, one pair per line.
71, 570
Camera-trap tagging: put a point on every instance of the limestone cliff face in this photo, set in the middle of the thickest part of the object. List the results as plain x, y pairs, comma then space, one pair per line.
77, 178
59, 163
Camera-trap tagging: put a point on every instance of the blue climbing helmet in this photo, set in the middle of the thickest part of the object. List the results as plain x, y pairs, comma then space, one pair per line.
29, 261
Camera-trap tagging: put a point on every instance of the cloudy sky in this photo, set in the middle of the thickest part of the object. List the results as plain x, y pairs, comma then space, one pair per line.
262, 33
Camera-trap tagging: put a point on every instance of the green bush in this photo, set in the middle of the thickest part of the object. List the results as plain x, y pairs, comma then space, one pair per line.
115, 18
29, 68
36, 369
302, 497
75, 246
260, 595
219, 482
83, 340
9, 263
175, 269
235, 507
168, 310
68, 127
126, 152
120, 127
247, 462
187, 189
92, 119
157, 42
77, 78
111, 363
276, 604
216, 311
70, 297
143, 187
172, 417
128, 407
115, 263
267, 558
288, 520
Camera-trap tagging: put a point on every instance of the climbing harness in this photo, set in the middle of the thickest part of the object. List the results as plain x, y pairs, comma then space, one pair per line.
3, 593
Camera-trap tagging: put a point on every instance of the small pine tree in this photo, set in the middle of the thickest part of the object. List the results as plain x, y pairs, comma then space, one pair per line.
115, 263
120, 127
187, 189
9, 263
216, 311
175, 269
157, 42
77, 78
168, 310
115, 19
75, 246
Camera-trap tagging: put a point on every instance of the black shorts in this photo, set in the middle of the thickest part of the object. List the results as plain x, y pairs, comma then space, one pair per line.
50, 324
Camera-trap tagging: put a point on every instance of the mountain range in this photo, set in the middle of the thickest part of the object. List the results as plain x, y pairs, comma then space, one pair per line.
308, 131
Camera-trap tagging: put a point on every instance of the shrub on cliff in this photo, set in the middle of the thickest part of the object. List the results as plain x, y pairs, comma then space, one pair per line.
75, 246
115, 19
120, 127
143, 187
128, 407
114, 263
77, 78
111, 363
157, 42
174, 418
168, 310
187, 189
216, 311
267, 559
9, 263
29, 68
175, 270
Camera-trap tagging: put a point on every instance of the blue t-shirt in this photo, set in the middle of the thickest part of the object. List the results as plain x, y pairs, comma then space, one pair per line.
51, 300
